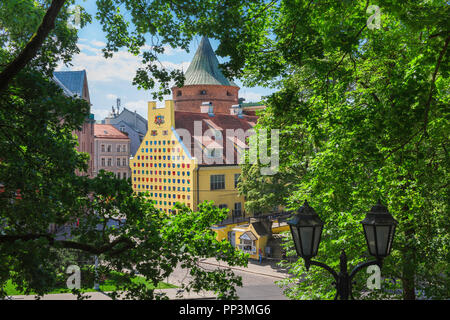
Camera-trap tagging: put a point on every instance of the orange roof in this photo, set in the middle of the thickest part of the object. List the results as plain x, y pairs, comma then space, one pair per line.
107, 131
219, 122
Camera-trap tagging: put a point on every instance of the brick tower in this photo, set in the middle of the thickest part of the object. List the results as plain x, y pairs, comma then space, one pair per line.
205, 83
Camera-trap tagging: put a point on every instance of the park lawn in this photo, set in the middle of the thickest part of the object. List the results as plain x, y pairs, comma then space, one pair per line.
107, 286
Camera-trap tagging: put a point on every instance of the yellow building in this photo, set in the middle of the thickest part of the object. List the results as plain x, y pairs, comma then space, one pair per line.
192, 149
166, 168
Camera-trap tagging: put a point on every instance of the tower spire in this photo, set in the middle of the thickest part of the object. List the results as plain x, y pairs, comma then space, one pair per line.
204, 67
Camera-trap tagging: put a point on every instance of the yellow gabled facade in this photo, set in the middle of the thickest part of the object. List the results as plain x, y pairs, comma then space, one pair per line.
162, 166
165, 168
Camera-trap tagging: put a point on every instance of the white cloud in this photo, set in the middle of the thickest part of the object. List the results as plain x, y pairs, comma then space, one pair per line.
179, 66
86, 47
111, 96
122, 66
100, 114
140, 106
98, 43
250, 96
168, 50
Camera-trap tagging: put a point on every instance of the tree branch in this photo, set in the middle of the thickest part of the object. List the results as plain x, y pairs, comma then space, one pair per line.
32, 47
433, 80
109, 248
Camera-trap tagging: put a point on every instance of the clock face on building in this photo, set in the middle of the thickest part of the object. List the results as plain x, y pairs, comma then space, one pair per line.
159, 120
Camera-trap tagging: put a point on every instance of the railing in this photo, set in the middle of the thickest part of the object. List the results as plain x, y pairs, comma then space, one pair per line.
238, 218
232, 219
243, 247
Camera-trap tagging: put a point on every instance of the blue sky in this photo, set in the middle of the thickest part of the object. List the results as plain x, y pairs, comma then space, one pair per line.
111, 78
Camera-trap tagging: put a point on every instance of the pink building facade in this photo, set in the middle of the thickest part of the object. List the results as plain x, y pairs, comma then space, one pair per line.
111, 151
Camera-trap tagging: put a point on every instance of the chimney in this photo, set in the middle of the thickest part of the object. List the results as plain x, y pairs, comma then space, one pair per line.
207, 107
236, 109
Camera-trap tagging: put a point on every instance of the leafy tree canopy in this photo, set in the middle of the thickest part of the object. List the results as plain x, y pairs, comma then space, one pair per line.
363, 112
41, 197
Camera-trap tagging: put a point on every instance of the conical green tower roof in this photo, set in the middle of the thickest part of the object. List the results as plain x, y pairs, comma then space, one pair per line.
204, 68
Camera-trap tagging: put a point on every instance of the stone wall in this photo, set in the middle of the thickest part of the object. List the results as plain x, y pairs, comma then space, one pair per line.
190, 98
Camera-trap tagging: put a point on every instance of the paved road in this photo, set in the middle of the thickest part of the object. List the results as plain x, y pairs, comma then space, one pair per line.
259, 287
258, 282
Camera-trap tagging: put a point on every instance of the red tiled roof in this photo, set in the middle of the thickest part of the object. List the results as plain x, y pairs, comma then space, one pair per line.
219, 122
107, 131
250, 112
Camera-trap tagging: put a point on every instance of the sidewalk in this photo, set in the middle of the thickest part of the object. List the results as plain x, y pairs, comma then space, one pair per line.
267, 267
172, 294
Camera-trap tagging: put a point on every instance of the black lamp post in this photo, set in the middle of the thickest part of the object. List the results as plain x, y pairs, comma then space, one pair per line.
306, 228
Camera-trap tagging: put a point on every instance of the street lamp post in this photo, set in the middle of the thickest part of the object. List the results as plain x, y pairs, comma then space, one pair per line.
379, 228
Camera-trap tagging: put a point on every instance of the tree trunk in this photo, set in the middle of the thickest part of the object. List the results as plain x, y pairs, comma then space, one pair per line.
409, 263
408, 288
32, 47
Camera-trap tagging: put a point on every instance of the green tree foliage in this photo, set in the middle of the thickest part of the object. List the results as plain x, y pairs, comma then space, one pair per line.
363, 114
40, 191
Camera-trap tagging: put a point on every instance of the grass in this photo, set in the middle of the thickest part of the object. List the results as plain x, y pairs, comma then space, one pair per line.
107, 286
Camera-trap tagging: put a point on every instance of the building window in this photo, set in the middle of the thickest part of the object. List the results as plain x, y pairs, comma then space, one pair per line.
247, 245
236, 179
124, 175
122, 128
124, 148
203, 92
179, 93
103, 162
217, 181
109, 162
118, 175
108, 148
118, 162
237, 212
124, 162
103, 148
118, 148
